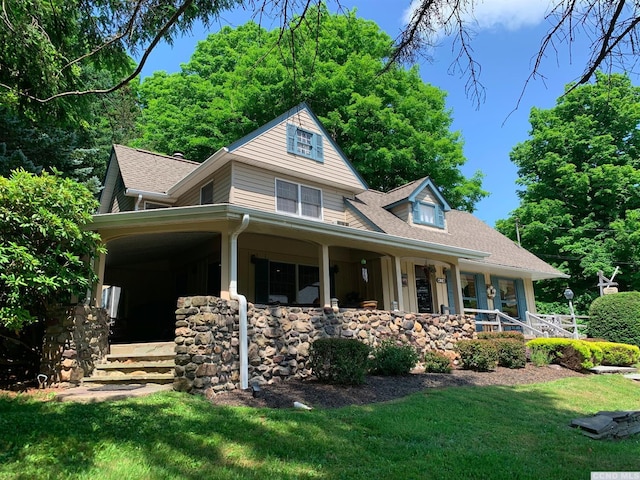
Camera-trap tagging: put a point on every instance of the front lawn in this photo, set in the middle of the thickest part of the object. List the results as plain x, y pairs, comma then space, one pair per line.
466, 432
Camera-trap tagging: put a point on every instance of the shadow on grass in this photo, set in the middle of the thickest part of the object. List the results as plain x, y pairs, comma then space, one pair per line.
474, 432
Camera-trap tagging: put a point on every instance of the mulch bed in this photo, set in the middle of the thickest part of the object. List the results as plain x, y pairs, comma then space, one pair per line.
382, 389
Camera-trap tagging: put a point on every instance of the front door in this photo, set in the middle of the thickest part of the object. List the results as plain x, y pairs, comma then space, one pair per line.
424, 291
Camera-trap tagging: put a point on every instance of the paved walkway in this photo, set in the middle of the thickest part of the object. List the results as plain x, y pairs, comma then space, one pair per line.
101, 393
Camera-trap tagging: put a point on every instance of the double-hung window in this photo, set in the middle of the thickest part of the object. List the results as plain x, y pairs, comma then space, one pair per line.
298, 199
428, 214
304, 143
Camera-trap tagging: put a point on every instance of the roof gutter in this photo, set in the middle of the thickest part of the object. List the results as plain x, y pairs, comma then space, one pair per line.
140, 194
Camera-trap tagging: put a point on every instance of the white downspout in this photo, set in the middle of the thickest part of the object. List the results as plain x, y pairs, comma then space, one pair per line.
138, 202
242, 303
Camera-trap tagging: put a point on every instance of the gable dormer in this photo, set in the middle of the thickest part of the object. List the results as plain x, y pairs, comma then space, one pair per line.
419, 203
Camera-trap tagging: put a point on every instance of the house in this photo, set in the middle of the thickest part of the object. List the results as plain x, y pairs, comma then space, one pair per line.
281, 216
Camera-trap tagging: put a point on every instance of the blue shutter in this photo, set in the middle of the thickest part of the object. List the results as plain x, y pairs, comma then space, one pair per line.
450, 295
497, 301
439, 216
318, 151
415, 212
481, 292
291, 138
521, 298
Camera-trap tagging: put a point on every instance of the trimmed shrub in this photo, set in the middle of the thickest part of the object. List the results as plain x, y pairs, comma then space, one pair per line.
511, 352
391, 359
573, 354
540, 357
616, 318
436, 362
479, 355
497, 335
619, 354
339, 360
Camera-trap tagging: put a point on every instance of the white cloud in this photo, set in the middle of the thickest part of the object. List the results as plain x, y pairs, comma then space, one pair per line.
508, 14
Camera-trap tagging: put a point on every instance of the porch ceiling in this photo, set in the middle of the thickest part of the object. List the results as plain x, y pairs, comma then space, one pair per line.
153, 246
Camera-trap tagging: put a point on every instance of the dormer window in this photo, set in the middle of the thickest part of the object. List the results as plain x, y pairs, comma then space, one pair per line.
428, 214
304, 143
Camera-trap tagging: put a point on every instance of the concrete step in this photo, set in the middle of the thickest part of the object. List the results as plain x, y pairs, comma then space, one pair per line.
132, 378
138, 357
136, 365
633, 376
140, 349
613, 369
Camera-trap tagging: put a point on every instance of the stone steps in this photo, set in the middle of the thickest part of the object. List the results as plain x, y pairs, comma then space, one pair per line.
136, 363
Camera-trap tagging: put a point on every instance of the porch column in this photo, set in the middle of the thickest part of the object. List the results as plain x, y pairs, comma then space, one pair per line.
457, 290
98, 268
225, 266
325, 280
398, 283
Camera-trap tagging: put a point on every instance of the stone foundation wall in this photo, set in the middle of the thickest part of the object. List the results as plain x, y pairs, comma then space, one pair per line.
207, 338
75, 340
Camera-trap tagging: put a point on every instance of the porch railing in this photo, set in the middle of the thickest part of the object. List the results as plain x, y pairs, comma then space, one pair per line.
558, 325
535, 325
495, 319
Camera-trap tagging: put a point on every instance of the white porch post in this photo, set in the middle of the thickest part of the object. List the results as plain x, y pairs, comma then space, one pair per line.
98, 268
225, 265
457, 291
398, 283
325, 280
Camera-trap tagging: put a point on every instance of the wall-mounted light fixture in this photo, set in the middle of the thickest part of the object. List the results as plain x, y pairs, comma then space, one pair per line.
491, 292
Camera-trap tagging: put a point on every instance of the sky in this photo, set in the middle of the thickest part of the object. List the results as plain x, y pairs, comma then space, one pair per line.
507, 38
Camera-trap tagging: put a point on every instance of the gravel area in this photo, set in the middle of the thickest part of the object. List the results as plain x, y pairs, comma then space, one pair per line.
381, 389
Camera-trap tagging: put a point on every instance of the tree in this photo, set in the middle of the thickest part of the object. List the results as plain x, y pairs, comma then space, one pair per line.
580, 169
44, 45
44, 249
393, 127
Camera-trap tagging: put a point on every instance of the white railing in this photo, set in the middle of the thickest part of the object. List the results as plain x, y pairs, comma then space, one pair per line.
536, 325
497, 319
558, 325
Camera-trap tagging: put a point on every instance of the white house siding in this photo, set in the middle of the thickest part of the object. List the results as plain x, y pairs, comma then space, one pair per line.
255, 188
221, 182
271, 148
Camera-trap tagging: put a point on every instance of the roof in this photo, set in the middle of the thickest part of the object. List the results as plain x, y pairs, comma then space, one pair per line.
149, 171
463, 231
409, 191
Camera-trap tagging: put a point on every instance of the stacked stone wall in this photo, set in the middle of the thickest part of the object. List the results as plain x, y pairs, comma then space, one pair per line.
75, 340
207, 338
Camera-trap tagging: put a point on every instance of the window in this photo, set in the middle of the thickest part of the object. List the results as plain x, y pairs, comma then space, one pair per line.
298, 199
304, 143
428, 214
286, 283
510, 296
206, 194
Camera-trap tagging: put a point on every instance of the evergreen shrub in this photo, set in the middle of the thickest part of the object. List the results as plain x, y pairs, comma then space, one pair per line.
436, 362
339, 360
479, 355
391, 359
616, 318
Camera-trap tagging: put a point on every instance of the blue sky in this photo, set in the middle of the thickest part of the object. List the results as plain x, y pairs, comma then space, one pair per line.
508, 35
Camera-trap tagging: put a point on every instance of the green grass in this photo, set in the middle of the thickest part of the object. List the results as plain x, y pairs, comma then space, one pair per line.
515, 432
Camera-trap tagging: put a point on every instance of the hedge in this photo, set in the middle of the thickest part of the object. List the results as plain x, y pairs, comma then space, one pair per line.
616, 318
574, 354
339, 360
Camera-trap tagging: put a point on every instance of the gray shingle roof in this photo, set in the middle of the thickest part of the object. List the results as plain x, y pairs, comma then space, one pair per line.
151, 172
463, 230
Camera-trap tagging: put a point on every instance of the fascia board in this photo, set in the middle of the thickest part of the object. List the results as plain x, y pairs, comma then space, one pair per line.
509, 270
205, 213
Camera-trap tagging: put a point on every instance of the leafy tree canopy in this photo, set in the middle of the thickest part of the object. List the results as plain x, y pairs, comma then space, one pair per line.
43, 246
393, 127
580, 169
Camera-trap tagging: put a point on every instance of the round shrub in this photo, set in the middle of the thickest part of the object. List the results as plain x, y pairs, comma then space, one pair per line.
436, 362
480, 355
511, 352
616, 318
339, 360
390, 359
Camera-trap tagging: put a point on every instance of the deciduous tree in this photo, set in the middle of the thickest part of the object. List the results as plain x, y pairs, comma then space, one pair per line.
393, 127
580, 169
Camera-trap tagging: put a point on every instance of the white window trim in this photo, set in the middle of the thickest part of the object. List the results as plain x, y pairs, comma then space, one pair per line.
299, 207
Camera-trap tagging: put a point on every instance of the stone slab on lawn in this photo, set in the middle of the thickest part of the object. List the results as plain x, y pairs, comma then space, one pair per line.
606, 424
612, 369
